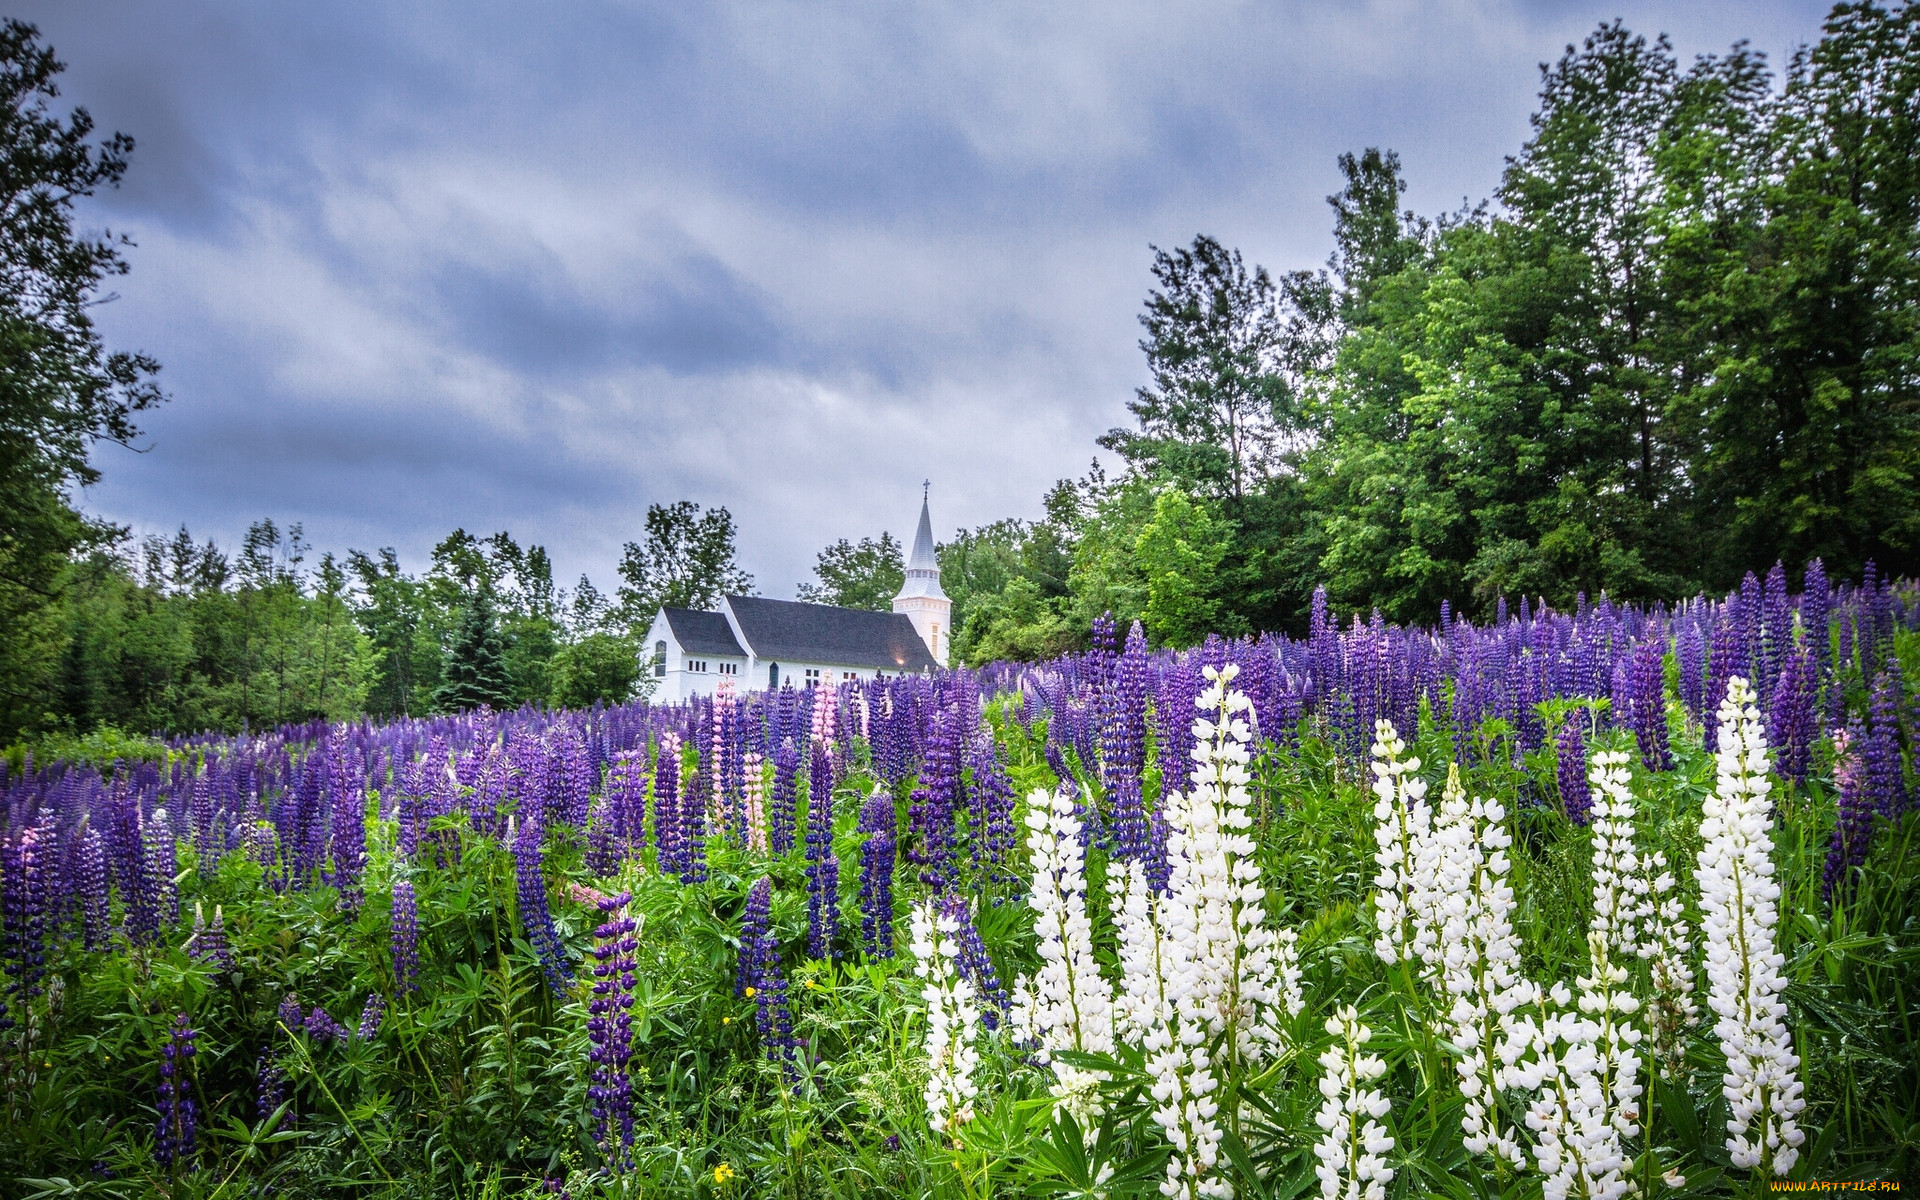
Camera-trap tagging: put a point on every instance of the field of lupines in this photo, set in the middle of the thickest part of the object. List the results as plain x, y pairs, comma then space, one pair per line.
1562, 904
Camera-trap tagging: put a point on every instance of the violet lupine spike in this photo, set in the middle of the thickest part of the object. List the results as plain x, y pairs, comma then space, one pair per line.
1816, 598
878, 855
1723, 663
993, 804
90, 876
1880, 751
269, 1087
1646, 700
1571, 751
535, 917
370, 1017
292, 1015
1853, 832
349, 827
755, 919
1123, 750
780, 815
406, 938
667, 836
976, 964
610, 1031
1776, 627
626, 796
1690, 652
823, 868
1791, 718
177, 1136
762, 978
321, 1027
603, 841
931, 813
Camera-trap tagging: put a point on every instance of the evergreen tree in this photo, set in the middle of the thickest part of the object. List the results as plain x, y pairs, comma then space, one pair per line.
476, 669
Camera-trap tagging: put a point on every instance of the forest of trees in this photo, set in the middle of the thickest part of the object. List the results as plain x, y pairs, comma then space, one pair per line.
1681, 341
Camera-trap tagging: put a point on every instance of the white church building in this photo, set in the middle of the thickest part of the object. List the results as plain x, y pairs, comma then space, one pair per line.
758, 643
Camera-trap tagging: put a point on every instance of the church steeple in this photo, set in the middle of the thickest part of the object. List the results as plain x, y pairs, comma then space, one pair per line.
920, 595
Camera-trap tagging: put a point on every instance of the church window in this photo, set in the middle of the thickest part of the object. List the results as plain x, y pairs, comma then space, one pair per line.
813, 675
729, 668
660, 660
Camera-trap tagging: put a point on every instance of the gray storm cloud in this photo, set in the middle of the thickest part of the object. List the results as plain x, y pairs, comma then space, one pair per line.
417, 266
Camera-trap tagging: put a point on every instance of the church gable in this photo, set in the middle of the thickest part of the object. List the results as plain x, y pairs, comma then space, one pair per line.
795, 632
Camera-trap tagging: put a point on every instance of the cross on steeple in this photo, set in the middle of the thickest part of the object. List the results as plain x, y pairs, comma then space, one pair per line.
926, 485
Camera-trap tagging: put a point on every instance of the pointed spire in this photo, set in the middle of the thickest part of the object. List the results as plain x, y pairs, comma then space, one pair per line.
923, 558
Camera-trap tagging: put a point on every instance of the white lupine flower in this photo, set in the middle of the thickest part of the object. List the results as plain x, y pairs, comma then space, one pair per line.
1576, 1147
1620, 905
1671, 1012
953, 1019
1225, 960
1353, 1146
1486, 999
1183, 1083
1066, 1005
1610, 1008
1402, 826
1738, 914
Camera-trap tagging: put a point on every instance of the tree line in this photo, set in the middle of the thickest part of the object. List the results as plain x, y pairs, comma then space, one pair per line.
1679, 342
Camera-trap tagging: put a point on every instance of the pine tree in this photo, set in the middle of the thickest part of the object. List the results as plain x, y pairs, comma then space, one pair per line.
476, 671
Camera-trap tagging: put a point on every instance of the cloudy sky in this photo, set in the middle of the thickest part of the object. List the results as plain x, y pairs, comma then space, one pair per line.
535, 266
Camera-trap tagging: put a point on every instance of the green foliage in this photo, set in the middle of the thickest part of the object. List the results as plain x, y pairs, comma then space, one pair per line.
686, 561
1679, 350
868, 575
475, 673
61, 390
1179, 554
599, 668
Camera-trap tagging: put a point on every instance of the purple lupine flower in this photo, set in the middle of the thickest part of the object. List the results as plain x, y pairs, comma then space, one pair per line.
370, 1016
667, 839
535, 917
992, 800
349, 832
626, 797
178, 1135
26, 902
761, 978
1790, 717
877, 858
1853, 833
90, 876
1777, 625
1123, 749
209, 942
930, 815
755, 919
321, 1027
1571, 750
1690, 652
1880, 756
1100, 650
1816, 599
780, 820
406, 938
603, 842
291, 1014
610, 1031
160, 851
269, 1086
823, 869
1645, 708
975, 963
1722, 665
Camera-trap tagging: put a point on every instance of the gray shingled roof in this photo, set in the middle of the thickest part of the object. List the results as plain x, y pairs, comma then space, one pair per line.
703, 632
790, 631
